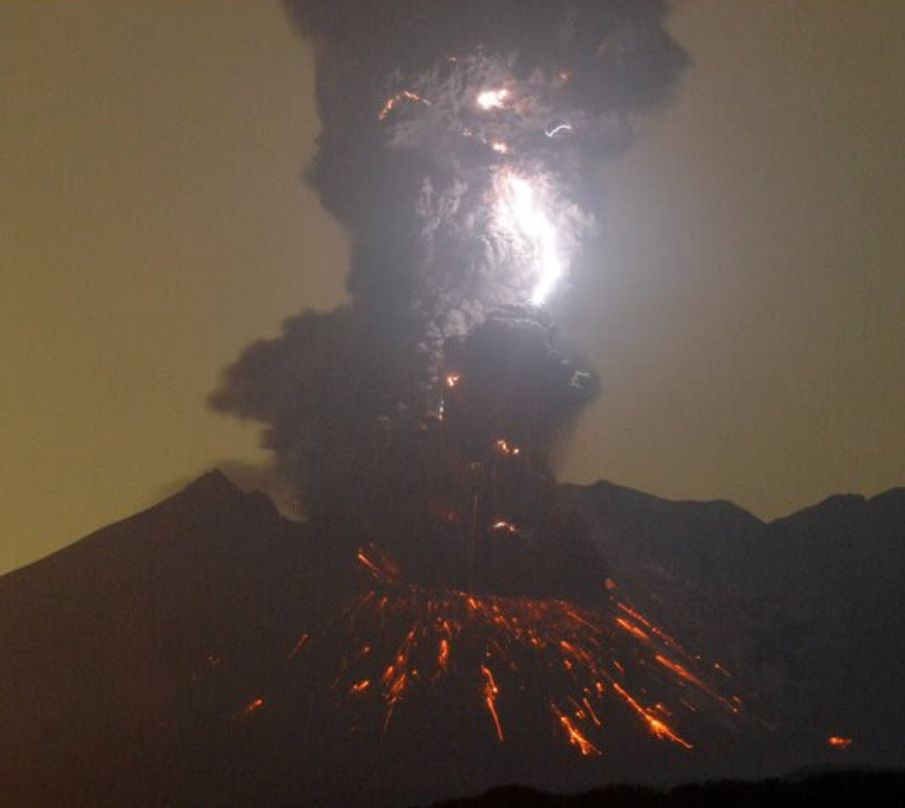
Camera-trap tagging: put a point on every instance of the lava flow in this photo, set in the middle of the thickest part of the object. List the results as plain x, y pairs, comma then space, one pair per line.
583, 668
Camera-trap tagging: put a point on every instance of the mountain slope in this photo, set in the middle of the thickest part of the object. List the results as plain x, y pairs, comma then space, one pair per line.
133, 661
101, 640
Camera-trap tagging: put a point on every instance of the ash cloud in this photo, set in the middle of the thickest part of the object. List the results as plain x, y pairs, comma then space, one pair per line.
414, 161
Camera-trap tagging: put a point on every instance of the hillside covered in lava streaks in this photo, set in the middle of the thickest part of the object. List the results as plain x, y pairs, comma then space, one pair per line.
206, 652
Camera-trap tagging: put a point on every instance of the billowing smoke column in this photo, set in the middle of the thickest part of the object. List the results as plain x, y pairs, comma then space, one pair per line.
460, 145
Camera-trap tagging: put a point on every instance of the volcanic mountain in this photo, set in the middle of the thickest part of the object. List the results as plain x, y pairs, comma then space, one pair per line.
209, 651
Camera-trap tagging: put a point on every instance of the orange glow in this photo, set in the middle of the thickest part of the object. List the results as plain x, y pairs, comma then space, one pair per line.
505, 448
838, 742
300, 643
632, 629
680, 671
368, 563
394, 100
591, 712
502, 526
491, 691
380, 566
409, 631
586, 748
251, 708
655, 630
656, 726
684, 674
453, 379
393, 694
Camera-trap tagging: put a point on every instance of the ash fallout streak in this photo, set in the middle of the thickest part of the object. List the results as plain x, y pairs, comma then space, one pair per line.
459, 148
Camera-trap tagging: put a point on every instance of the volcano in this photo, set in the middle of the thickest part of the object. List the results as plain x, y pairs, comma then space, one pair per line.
208, 651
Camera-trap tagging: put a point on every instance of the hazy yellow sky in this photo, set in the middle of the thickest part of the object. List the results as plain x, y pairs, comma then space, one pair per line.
748, 320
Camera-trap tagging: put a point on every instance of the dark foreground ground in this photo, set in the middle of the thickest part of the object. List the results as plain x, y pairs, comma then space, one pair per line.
843, 788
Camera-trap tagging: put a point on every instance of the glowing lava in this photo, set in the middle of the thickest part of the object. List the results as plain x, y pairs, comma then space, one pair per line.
395, 100
552, 654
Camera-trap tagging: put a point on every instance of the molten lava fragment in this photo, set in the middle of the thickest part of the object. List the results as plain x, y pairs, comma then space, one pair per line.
251, 708
393, 101
505, 448
491, 691
585, 747
544, 653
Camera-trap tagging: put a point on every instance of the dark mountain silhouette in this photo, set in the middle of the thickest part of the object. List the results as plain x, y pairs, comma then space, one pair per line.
132, 662
838, 789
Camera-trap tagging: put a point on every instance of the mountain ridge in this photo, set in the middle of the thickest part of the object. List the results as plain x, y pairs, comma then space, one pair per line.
140, 643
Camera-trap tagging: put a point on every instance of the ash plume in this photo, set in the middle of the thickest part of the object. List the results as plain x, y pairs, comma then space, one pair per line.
459, 147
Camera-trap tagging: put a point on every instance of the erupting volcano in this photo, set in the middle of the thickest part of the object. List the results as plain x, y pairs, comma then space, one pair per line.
460, 147
438, 614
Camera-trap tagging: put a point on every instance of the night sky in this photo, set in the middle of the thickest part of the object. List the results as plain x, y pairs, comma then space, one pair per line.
747, 322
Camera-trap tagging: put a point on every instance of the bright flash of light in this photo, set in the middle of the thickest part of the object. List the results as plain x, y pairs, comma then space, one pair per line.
492, 99
522, 213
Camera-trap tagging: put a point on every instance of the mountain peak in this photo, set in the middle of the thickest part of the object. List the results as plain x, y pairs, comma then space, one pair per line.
214, 492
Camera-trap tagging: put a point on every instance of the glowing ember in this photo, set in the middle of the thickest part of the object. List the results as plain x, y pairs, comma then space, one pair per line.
632, 629
300, 643
443, 654
504, 447
550, 653
366, 562
502, 526
393, 101
377, 564
656, 726
585, 747
453, 379
491, 691
838, 742
492, 99
500, 147
251, 708
522, 214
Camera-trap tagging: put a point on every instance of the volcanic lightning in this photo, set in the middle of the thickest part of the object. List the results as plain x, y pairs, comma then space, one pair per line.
522, 213
458, 149
492, 99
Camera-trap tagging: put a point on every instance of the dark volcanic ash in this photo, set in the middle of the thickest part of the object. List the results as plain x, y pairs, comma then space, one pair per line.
460, 145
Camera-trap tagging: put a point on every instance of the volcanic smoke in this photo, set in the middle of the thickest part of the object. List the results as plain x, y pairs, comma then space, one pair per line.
460, 148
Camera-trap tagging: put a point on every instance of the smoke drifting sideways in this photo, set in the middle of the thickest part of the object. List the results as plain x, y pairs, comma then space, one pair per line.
460, 148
